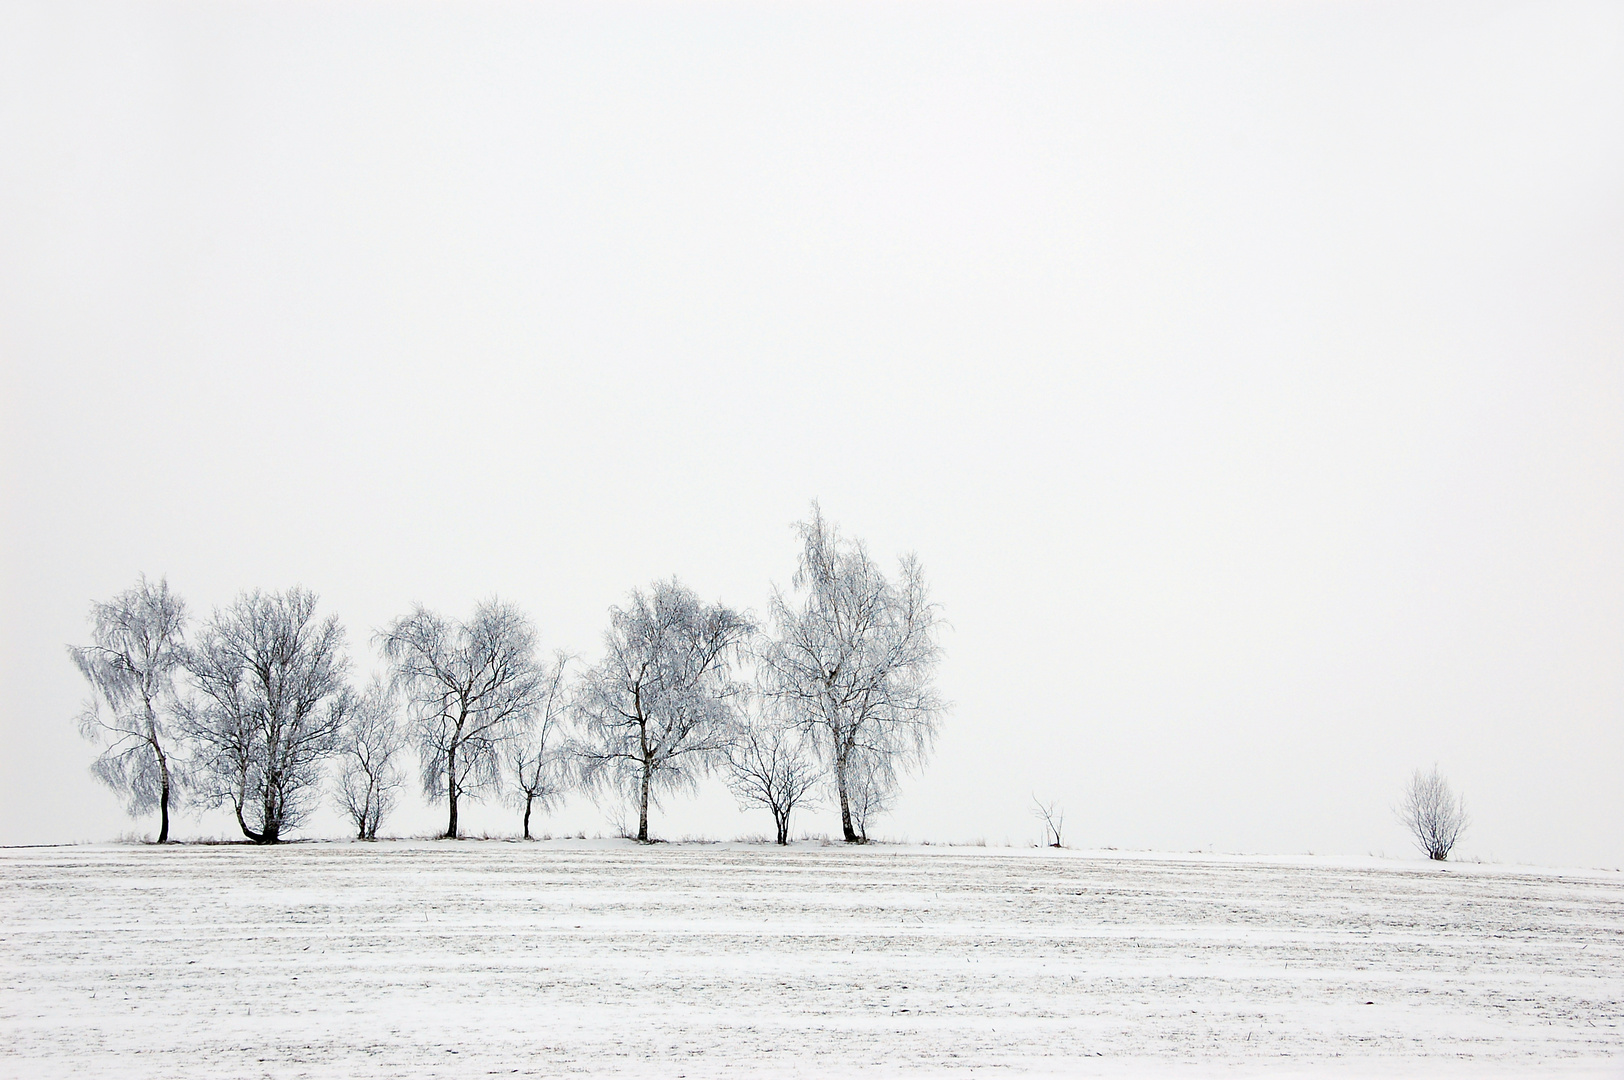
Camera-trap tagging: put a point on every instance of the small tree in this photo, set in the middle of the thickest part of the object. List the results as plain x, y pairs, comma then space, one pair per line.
535, 753
272, 702
136, 649
1053, 819
1433, 814
770, 765
470, 686
871, 786
655, 712
369, 750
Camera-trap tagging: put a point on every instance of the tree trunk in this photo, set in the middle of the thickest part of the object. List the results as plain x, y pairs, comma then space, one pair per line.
642, 816
270, 827
163, 795
845, 804
163, 771
451, 790
258, 838
782, 821
528, 799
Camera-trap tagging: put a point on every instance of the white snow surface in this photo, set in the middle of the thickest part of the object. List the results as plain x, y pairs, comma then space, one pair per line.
556, 958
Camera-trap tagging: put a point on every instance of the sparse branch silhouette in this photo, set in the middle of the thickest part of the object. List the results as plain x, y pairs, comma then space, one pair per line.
770, 764
369, 751
535, 754
1053, 818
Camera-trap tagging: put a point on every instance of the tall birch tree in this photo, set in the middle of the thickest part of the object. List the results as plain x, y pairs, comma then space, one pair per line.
469, 686
853, 659
655, 712
135, 653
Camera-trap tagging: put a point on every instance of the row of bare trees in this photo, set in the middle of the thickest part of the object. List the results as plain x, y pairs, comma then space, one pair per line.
257, 712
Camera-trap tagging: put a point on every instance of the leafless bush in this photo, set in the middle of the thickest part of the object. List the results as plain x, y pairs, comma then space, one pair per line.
369, 751
1053, 818
871, 785
1433, 814
770, 764
535, 754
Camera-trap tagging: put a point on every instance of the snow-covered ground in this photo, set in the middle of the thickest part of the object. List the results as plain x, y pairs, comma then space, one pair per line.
491, 958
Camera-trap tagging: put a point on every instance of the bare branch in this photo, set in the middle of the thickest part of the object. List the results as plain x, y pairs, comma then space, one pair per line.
1053, 818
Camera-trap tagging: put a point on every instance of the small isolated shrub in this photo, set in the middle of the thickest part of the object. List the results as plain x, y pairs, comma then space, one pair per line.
1433, 814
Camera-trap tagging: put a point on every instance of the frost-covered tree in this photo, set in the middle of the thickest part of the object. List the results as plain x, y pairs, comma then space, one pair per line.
271, 702
469, 687
135, 653
370, 747
871, 786
1432, 813
770, 764
535, 754
853, 660
655, 713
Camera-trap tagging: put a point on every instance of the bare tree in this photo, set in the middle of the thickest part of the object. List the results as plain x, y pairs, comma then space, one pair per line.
1053, 818
871, 785
770, 764
136, 649
854, 661
1432, 813
369, 751
655, 711
535, 753
469, 687
272, 702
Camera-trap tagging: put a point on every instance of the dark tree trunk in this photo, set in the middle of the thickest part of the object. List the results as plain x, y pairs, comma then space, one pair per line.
642, 815
163, 775
845, 804
256, 837
782, 821
270, 829
528, 799
451, 791
163, 798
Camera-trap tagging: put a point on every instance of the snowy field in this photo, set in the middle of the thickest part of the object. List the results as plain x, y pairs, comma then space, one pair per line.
576, 957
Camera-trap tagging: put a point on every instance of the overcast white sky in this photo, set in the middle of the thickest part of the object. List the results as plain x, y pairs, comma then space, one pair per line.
1248, 377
